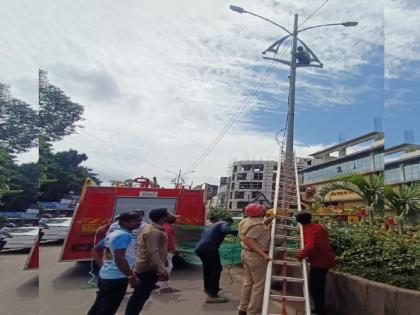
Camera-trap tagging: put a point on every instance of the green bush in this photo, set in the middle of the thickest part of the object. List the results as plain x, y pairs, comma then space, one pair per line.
376, 254
221, 213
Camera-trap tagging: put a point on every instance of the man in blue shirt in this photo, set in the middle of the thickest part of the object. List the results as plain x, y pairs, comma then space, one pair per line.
208, 251
115, 256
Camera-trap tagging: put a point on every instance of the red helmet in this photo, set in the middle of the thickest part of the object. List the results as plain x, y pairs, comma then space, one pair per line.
254, 210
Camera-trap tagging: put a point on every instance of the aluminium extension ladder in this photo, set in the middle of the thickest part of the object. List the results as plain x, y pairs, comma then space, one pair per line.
286, 284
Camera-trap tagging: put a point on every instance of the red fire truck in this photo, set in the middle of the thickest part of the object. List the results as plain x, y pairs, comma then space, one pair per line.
32, 262
99, 205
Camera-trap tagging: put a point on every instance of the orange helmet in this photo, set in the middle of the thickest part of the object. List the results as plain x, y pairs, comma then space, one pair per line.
254, 210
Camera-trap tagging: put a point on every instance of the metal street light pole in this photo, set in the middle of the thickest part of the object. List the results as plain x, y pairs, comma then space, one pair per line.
315, 62
292, 90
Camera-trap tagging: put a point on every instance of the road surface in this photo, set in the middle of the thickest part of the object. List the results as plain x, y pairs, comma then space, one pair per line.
18, 288
61, 292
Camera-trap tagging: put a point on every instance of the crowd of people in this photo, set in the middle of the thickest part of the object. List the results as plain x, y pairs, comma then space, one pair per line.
139, 255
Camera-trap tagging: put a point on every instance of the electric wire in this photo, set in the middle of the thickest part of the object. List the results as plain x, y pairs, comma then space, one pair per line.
314, 12
233, 119
241, 110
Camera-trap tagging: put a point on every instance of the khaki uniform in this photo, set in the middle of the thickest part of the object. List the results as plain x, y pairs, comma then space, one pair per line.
252, 294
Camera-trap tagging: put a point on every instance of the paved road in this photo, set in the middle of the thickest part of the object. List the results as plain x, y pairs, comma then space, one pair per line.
18, 288
61, 291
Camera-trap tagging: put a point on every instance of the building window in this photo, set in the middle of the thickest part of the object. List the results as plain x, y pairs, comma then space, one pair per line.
239, 194
378, 160
241, 204
412, 171
255, 194
393, 175
233, 177
274, 176
259, 168
231, 195
232, 186
246, 168
230, 204
235, 168
256, 185
258, 176
241, 176
275, 167
245, 185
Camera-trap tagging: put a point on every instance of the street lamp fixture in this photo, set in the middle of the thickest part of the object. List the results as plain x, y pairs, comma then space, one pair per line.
293, 64
347, 24
237, 9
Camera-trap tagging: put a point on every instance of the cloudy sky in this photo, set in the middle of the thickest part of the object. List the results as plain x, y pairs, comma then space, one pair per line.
160, 79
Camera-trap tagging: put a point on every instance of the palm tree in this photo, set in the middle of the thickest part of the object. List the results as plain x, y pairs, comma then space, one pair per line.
405, 201
370, 189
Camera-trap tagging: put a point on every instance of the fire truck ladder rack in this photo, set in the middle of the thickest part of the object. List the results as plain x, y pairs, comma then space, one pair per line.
286, 286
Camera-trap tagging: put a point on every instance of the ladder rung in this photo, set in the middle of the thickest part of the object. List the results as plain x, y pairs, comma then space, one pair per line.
288, 279
286, 237
285, 217
287, 227
288, 263
287, 298
279, 248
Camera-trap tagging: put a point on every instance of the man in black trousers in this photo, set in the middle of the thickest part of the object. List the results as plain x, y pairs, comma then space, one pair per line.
115, 255
208, 251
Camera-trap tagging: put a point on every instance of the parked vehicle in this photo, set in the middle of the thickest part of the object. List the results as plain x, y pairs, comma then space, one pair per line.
22, 237
57, 229
98, 207
4, 235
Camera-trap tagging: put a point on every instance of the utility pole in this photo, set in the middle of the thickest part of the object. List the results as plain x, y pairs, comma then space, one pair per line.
292, 91
178, 178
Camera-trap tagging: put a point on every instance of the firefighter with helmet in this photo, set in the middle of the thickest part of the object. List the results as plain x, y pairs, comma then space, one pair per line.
255, 240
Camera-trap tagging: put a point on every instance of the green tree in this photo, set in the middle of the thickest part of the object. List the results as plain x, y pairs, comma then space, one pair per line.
7, 173
370, 189
63, 174
405, 201
25, 185
18, 123
58, 114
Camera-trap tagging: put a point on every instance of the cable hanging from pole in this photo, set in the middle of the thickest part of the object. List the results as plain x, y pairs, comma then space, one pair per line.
314, 12
235, 116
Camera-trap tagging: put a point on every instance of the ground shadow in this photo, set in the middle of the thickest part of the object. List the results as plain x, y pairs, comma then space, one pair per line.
29, 289
74, 277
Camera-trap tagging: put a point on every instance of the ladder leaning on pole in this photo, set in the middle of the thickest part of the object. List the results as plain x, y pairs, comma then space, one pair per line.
286, 284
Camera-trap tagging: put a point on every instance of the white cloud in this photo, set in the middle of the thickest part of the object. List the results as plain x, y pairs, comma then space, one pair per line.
402, 38
159, 79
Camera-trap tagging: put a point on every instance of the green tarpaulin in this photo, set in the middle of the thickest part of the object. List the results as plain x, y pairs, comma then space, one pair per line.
187, 237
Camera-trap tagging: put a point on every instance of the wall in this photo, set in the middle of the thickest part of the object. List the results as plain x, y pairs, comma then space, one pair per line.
352, 295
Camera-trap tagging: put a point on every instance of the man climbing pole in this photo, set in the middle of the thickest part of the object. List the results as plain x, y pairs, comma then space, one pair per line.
303, 56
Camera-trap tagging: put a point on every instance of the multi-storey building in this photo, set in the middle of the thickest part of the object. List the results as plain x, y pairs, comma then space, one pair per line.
221, 198
404, 168
250, 180
353, 156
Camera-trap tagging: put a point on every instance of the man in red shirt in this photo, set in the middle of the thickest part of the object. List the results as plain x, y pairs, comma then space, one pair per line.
169, 228
317, 249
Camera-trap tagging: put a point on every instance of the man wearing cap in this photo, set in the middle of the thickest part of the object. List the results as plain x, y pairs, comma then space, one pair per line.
151, 260
255, 240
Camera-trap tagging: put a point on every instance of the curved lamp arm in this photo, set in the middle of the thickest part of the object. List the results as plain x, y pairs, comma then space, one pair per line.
346, 24
241, 11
